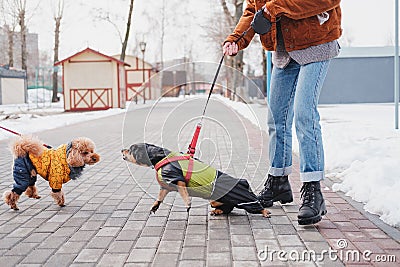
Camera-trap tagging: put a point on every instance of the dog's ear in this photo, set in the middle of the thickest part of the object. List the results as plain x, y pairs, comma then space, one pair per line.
75, 158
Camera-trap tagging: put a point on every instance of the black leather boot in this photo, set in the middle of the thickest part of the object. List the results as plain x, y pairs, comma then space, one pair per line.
276, 188
313, 206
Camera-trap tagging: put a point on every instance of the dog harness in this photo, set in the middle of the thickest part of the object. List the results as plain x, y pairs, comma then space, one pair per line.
199, 177
168, 160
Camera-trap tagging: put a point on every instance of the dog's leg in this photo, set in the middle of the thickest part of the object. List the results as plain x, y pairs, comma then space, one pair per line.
184, 194
266, 213
32, 192
215, 204
11, 199
58, 198
161, 196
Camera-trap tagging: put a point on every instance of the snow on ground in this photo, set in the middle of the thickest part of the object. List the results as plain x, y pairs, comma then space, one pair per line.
362, 152
40, 114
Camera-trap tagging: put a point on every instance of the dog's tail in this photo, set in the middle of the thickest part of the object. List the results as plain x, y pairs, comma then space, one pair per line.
25, 144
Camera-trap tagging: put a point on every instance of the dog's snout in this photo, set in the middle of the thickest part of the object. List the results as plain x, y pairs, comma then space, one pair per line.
94, 158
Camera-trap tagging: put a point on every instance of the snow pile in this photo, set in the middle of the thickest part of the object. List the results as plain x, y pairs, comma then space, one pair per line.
40, 95
362, 152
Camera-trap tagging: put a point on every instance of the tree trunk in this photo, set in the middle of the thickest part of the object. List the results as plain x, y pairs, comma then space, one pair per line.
10, 34
56, 47
23, 39
238, 59
228, 15
128, 27
162, 37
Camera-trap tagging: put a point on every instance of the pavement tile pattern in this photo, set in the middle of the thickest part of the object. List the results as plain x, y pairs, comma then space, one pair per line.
106, 220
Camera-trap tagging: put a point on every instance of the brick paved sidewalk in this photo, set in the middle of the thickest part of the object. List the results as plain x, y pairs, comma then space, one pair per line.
107, 223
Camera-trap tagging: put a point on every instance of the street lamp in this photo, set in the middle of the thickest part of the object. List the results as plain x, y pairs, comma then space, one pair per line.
142, 46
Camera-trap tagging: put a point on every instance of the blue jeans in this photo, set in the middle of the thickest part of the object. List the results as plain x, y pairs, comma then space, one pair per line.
294, 93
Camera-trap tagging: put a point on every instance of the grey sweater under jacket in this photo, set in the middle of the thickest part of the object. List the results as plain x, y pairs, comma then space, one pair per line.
281, 58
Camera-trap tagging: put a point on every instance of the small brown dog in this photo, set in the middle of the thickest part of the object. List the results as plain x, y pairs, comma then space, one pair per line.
57, 166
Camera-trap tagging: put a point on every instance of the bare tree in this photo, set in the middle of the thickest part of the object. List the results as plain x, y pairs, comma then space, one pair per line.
20, 8
18, 11
10, 23
10, 35
162, 35
229, 18
58, 15
105, 15
128, 27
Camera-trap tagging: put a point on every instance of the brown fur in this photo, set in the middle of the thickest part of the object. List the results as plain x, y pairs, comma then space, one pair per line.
81, 153
58, 198
32, 192
81, 145
27, 144
11, 199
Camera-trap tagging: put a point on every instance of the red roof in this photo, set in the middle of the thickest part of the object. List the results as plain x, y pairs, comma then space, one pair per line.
94, 52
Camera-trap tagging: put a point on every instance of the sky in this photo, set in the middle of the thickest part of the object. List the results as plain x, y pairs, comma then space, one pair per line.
186, 26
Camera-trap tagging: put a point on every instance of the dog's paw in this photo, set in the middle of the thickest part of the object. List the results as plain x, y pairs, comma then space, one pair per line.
266, 213
58, 198
215, 212
155, 206
11, 199
31, 192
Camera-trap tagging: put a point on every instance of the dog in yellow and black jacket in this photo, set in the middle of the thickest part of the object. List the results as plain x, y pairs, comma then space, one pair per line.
57, 166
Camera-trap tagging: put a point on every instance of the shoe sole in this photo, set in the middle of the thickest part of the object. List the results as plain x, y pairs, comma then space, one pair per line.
312, 220
283, 198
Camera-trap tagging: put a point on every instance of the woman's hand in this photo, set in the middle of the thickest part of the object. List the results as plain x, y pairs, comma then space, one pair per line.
230, 49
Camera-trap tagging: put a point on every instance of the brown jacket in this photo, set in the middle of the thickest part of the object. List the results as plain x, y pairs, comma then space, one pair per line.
299, 23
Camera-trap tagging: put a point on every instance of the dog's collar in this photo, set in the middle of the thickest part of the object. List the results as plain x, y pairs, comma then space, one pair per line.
69, 147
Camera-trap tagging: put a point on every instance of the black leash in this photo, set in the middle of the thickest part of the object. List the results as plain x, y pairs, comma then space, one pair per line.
217, 73
192, 146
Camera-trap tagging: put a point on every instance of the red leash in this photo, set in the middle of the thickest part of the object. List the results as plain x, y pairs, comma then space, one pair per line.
11, 131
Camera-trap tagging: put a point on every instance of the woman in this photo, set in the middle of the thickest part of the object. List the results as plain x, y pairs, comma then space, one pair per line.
303, 36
